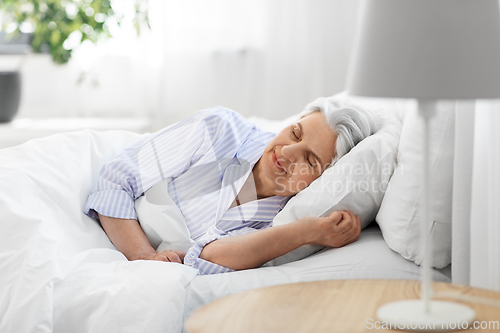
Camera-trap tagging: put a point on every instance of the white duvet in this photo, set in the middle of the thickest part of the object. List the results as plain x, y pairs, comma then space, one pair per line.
58, 270
60, 273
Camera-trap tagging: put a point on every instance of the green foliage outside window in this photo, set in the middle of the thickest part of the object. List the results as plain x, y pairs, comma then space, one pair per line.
53, 21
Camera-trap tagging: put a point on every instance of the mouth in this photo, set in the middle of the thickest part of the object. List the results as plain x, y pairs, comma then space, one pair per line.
277, 164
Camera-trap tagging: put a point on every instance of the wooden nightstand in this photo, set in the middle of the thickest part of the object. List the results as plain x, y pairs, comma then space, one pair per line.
323, 306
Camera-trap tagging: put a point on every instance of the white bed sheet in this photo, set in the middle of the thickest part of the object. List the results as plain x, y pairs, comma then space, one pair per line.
367, 258
60, 273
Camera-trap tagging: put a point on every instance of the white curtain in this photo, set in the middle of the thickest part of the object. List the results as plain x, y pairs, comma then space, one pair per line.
462, 191
258, 57
262, 58
476, 196
485, 208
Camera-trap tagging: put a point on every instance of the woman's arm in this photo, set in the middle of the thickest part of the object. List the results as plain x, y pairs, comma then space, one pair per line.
129, 238
255, 249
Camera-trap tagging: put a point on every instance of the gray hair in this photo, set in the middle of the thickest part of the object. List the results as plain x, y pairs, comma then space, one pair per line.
352, 123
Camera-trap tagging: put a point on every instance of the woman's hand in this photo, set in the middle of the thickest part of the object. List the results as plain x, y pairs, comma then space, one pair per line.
338, 229
167, 256
129, 238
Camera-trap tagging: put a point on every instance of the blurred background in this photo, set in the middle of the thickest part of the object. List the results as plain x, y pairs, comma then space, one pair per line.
147, 64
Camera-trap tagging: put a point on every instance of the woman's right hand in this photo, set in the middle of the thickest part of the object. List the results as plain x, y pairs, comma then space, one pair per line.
129, 238
168, 256
338, 229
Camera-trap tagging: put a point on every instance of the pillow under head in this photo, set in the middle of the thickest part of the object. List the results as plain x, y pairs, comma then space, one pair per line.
357, 182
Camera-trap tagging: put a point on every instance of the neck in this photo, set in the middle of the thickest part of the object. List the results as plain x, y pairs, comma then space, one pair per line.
253, 188
261, 189
246, 194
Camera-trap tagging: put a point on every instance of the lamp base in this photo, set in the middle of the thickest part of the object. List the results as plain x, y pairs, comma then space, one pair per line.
411, 316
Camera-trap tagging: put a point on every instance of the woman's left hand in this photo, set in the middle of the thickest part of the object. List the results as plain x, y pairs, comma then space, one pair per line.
338, 229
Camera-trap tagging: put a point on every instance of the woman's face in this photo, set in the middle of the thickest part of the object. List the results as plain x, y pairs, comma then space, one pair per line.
297, 156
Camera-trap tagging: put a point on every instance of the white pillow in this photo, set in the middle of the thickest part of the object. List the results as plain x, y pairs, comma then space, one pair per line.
357, 182
401, 211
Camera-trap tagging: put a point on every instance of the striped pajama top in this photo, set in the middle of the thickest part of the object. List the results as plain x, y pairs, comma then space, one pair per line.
206, 159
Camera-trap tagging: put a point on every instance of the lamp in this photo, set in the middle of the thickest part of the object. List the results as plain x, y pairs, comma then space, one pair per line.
427, 50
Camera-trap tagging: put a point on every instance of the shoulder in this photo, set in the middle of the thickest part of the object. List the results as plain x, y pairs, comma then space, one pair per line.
221, 114
219, 124
231, 128
224, 122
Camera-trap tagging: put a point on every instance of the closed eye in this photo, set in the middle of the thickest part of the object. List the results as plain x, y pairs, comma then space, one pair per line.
313, 164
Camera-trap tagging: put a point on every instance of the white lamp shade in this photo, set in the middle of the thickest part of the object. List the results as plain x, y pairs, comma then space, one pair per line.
427, 49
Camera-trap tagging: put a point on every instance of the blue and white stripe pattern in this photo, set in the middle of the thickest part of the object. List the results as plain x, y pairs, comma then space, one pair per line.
207, 158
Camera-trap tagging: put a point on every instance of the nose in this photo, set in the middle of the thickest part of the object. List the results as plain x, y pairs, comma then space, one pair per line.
289, 152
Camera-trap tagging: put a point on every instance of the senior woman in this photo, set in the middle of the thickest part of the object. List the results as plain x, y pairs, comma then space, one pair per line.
229, 179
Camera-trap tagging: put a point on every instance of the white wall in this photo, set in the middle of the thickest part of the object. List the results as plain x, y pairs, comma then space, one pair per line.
264, 58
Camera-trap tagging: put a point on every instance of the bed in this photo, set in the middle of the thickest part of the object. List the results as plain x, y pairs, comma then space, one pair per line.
60, 273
